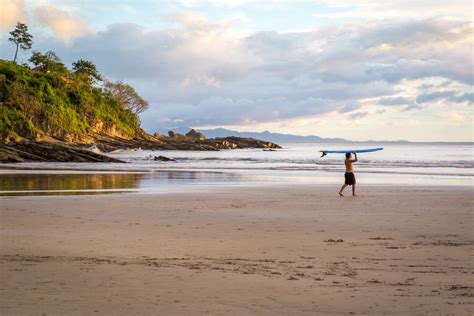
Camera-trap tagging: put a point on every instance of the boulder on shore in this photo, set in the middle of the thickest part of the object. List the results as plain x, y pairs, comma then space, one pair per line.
175, 135
194, 135
158, 135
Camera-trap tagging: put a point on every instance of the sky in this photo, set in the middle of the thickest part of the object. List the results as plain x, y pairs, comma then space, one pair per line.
356, 69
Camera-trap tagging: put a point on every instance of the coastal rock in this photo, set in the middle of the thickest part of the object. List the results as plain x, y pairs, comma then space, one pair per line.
175, 135
45, 151
228, 145
163, 158
194, 135
9, 155
239, 142
50, 149
54, 149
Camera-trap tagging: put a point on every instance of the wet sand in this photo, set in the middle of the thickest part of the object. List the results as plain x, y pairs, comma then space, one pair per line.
266, 251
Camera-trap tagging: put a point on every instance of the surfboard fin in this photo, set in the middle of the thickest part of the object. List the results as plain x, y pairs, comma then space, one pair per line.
324, 154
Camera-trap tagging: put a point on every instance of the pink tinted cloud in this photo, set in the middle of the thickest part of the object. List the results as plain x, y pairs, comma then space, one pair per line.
11, 12
64, 26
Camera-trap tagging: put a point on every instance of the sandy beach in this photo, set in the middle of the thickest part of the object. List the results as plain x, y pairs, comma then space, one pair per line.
237, 251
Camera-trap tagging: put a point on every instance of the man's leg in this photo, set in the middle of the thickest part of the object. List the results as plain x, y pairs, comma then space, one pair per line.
342, 188
353, 190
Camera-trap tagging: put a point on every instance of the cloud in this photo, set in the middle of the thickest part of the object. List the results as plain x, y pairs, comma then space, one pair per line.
357, 115
11, 12
411, 107
455, 117
349, 108
64, 26
397, 101
394, 9
394, 101
203, 72
466, 97
223, 3
451, 96
198, 22
232, 4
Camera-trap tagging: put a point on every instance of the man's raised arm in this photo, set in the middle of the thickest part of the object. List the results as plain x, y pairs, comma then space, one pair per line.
355, 157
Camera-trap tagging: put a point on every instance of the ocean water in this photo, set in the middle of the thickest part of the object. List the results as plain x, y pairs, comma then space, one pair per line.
398, 164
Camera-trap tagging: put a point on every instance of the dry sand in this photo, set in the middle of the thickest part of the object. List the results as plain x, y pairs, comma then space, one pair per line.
266, 251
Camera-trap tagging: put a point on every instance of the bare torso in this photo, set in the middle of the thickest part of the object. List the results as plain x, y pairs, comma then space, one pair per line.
349, 166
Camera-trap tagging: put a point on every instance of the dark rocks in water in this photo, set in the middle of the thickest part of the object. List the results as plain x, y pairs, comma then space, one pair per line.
163, 158
239, 142
194, 140
49, 151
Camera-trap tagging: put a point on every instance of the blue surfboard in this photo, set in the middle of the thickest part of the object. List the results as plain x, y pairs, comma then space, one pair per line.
325, 152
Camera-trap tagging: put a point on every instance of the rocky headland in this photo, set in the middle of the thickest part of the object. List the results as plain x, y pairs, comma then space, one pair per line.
86, 151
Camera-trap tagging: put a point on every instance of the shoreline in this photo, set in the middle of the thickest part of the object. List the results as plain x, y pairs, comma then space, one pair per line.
268, 250
227, 188
16, 182
141, 169
194, 188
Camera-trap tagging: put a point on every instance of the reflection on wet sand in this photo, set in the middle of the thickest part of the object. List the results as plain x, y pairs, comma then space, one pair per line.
94, 183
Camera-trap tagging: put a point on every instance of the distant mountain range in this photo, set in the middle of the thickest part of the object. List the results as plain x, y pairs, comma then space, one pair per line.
268, 136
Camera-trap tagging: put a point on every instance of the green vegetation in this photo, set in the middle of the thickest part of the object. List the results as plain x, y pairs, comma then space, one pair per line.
47, 62
50, 100
86, 70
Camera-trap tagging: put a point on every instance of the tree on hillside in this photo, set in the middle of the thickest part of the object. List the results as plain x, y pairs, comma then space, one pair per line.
126, 96
21, 38
87, 69
48, 61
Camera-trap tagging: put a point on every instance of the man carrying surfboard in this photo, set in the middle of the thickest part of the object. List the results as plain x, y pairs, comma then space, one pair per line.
349, 177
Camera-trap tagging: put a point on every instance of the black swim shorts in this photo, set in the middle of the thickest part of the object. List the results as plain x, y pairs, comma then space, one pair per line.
350, 178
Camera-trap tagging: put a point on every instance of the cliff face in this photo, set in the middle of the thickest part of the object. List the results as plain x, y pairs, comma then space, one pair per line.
55, 116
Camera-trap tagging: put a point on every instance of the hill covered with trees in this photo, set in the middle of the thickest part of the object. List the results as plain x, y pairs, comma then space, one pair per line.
47, 100
50, 101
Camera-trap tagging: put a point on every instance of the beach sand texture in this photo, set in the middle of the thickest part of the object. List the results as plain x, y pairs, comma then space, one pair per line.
240, 251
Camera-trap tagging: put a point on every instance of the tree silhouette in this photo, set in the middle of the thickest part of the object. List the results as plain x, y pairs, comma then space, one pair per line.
48, 61
88, 69
21, 38
124, 94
